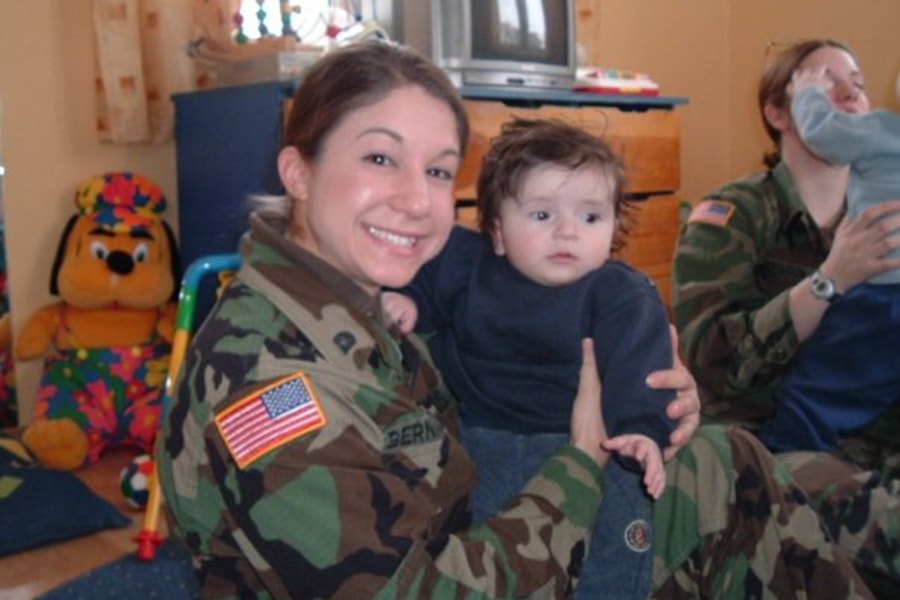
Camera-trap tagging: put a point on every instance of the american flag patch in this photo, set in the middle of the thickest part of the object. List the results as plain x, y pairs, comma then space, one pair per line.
270, 418
711, 211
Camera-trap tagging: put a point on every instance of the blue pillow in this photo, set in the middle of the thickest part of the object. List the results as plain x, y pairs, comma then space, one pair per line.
39, 506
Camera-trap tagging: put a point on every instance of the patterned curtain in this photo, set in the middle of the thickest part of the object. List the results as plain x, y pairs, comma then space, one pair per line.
142, 52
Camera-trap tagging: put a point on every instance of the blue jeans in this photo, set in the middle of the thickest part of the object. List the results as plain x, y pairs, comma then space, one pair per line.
620, 559
845, 375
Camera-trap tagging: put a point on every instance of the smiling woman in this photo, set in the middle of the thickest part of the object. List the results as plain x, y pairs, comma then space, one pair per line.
391, 192
368, 165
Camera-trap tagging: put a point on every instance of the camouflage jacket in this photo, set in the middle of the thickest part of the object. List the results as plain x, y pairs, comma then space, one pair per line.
737, 256
310, 452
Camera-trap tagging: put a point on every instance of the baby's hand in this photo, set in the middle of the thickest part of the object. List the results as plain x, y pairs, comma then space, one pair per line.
645, 451
804, 78
400, 310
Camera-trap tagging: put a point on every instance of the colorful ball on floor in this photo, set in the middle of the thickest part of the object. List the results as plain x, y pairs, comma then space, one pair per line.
135, 480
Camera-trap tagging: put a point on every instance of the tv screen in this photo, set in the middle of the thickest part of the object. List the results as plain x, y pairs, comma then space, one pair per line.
520, 30
529, 43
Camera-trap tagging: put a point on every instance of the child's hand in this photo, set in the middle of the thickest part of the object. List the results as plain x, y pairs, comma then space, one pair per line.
645, 451
806, 78
400, 310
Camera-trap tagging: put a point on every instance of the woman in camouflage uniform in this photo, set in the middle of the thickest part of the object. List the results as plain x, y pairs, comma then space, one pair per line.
311, 451
756, 266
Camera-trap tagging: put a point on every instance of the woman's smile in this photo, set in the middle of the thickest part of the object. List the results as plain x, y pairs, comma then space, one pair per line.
396, 239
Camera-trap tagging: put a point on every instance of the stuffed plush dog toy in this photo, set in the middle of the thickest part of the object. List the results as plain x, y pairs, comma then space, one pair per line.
106, 343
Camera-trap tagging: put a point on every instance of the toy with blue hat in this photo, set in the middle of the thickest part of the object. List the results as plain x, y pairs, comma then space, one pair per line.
106, 342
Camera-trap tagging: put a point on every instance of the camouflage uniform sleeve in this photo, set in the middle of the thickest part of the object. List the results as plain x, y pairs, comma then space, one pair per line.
732, 524
735, 335
534, 548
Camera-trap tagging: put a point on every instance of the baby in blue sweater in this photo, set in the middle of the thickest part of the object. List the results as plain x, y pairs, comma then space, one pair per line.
508, 308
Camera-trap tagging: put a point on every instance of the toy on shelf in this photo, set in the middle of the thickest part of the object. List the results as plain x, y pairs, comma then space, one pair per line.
106, 343
597, 80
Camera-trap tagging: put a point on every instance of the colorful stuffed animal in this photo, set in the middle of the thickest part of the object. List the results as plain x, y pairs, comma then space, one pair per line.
106, 344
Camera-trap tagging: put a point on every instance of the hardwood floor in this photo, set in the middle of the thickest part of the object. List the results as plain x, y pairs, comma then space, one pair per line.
28, 574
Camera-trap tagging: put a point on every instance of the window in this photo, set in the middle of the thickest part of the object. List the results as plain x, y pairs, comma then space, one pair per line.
308, 20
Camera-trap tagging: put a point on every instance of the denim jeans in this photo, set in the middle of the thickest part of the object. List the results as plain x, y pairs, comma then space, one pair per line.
620, 559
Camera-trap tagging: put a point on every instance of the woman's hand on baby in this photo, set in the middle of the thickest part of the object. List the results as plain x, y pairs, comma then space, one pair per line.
400, 310
587, 427
860, 246
646, 452
685, 408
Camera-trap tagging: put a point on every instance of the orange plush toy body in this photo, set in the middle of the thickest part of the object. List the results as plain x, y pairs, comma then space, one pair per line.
106, 344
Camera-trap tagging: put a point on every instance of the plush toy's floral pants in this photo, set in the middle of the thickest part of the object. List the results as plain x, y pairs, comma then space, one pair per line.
114, 394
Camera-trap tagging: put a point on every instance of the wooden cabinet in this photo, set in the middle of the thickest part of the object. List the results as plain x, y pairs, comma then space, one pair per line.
651, 244
648, 140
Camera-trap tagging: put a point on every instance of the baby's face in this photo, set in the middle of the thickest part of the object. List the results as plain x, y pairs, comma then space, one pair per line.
561, 225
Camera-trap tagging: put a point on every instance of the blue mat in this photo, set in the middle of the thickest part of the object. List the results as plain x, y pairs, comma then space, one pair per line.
170, 577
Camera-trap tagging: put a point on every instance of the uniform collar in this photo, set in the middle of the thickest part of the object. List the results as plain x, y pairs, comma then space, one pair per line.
795, 214
307, 279
788, 196
267, 228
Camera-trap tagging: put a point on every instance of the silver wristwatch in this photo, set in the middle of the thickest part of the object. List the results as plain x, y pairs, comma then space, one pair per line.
823, 287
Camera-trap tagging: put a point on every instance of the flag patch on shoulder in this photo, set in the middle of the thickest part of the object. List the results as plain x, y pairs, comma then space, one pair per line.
712, 212
270, 418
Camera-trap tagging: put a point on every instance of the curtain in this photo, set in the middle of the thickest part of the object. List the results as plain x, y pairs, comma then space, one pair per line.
142, 55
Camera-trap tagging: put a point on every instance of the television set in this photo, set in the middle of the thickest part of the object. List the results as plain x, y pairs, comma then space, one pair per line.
527, 43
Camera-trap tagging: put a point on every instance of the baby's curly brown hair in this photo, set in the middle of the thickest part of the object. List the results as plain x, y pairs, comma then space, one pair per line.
524, 144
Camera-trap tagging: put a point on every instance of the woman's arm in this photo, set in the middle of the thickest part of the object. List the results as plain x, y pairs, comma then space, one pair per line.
732, 313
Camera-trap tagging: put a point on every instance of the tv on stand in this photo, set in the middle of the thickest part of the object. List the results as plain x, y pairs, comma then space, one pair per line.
518, 43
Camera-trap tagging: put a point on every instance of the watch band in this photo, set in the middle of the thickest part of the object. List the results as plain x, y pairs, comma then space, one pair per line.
823, 287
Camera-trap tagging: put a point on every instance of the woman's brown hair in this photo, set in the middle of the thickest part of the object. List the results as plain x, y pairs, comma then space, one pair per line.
360, 75
775, 79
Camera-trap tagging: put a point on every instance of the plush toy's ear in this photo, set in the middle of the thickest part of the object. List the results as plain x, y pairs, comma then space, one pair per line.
61, 255
175, 259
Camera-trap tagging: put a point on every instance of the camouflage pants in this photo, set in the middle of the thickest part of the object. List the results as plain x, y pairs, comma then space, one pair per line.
733, 524
860, 507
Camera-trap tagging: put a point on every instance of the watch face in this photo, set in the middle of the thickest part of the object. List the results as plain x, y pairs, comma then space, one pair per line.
822, 287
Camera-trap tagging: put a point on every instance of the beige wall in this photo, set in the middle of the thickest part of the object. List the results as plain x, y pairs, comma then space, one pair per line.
49, 146
712, 52
708, 50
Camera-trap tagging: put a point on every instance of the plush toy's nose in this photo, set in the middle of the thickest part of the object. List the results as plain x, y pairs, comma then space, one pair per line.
120, 262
